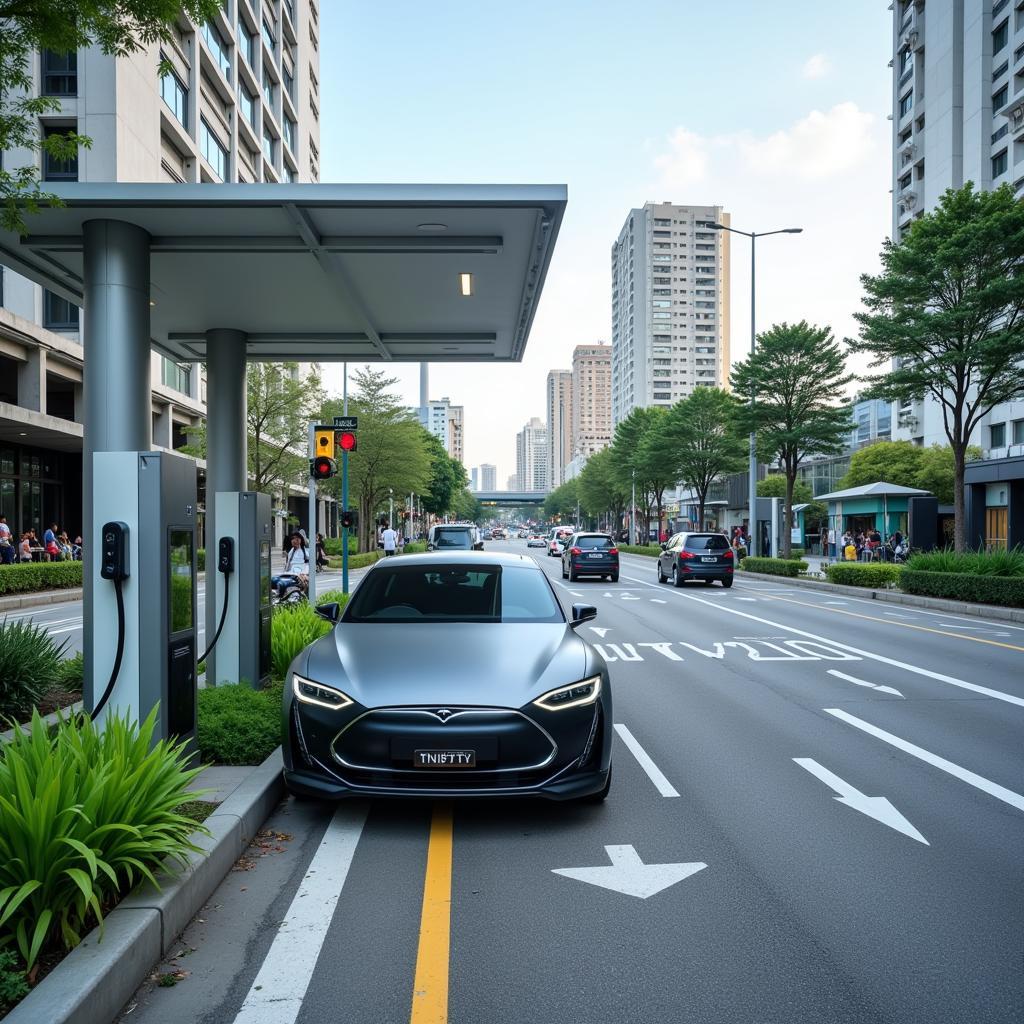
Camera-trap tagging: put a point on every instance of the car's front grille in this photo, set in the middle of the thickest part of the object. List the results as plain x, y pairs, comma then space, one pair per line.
382, 743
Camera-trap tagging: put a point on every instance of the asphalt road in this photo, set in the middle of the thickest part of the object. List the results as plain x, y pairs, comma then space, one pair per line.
743, 716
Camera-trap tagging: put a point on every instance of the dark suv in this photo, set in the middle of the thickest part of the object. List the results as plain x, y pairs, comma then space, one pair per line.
590, 554
696, 556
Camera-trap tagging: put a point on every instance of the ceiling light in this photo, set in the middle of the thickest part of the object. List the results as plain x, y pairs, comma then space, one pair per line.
466, 283
152, 302
432, 227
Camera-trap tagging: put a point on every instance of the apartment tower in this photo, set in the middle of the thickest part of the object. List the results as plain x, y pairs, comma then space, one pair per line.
591, 399
670, 305
488, 477
558, 395
531, 456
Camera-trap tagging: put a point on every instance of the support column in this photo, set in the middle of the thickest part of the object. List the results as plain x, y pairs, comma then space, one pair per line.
226, 438
32, 380
115, 376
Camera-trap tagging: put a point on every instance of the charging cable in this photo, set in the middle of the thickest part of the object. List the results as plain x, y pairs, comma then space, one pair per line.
117, 657
225, 565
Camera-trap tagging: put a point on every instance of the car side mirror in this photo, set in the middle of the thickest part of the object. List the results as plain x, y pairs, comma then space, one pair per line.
664, 546
331, 611
582, 613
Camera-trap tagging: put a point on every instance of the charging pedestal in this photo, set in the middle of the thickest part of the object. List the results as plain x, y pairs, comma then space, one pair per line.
770, 523
149, 500
242, 652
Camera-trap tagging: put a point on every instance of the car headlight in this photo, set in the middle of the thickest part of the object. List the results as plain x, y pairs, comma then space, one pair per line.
586, 691
316, 693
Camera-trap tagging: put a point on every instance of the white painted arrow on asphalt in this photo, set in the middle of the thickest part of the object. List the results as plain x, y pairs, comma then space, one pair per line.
876, 807
864, 682
601, 631
629, 875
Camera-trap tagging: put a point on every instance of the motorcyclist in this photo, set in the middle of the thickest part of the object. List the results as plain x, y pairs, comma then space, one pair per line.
297, 561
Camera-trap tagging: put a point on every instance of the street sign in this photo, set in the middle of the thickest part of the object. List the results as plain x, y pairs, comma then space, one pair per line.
346, 422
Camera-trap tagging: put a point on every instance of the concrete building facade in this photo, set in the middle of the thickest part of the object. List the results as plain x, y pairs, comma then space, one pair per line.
241, 104
531, 456
488, 477
670, 305
558, 398
445, 422
591, 399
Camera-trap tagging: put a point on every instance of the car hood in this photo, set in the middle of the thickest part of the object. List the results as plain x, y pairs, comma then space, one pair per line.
494, 664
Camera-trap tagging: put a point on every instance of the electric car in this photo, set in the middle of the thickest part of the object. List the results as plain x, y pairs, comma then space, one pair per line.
696, 556
455, 675
590, 554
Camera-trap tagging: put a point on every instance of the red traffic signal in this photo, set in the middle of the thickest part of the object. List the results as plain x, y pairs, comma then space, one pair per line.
347, 440
322, 468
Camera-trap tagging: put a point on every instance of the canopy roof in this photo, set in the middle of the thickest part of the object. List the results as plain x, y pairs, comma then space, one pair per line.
319, 272
876, 490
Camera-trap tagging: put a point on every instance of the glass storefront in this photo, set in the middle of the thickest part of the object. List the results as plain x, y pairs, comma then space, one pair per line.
39, 487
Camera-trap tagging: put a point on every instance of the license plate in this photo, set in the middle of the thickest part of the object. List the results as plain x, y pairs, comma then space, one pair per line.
713, 558
444, 758
596, 556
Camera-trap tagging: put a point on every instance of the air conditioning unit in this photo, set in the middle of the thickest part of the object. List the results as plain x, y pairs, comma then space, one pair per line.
908, 200
1015, 115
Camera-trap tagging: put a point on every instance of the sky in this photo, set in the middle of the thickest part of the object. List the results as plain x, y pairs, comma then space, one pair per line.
775, 109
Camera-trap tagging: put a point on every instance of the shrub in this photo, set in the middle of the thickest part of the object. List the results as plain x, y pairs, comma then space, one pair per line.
796, 552
236, 724
84, 814
979, 563
652, 550
1004, 590
774, 566
30, 661
71, 672
13, 985
292, 628
30, 576
864, 574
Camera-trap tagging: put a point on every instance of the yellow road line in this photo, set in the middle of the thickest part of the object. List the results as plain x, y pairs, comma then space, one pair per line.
890, 622
430, 987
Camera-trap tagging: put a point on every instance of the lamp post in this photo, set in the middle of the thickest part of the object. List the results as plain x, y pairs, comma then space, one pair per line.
632, 513
391, 508
752, 483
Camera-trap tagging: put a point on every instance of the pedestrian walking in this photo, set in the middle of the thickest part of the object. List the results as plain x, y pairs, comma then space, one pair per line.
389, 541
321, 554
6, 542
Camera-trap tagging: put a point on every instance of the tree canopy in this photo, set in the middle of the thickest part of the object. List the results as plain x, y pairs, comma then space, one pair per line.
945, 317
562, 500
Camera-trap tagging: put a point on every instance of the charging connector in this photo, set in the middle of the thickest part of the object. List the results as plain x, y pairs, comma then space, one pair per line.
225, 565
114, 567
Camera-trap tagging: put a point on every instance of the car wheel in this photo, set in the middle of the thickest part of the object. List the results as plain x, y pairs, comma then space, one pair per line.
601, 795
614, 577
662, 578
565, 575
727, 583
572, 576
677, 580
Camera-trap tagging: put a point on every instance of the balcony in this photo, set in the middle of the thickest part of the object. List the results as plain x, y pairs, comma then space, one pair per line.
1013, 111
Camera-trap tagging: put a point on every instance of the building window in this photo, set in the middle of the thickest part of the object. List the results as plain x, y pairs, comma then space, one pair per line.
997, 435
999, 98
59, 73
217, 47
247, 43
268, 35
176, 375
58, 313
290, 174
906, 103
175, 95
247, 103
999, 164
216, 155
268, 87
906, 60
268, 144
289, 82
1000, 36
289, 133
58, 170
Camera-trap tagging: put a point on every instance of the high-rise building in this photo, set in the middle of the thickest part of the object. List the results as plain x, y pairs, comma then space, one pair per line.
445, 422
239, 104
512, 483
558, 396
474, 479
591, 399
958, 116
670, 305
531, 456
488, 477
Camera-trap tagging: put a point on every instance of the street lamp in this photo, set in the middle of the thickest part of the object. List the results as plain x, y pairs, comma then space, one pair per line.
752, 483
391, 508
632, 513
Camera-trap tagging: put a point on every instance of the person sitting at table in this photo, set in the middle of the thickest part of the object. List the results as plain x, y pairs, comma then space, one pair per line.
25, 547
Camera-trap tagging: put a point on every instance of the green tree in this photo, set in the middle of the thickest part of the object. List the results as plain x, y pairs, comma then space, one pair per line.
646, 464
937, 470
798, 377
562, 501
117, 27
600, 487
466, 507
700, 440
447, 478
894, 462
945, 317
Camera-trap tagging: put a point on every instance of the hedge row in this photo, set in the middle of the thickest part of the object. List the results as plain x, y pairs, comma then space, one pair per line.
774, 566
1004, 590
30, 576
864, 574
651, 550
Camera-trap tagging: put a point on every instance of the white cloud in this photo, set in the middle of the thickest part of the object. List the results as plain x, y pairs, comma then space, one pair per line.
817, 66
686, 161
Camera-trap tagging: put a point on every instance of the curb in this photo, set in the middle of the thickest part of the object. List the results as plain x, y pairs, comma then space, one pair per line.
51, 719
980, 611
8, 604
95, 980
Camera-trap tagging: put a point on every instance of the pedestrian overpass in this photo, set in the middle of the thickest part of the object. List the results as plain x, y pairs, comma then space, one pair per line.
509, 499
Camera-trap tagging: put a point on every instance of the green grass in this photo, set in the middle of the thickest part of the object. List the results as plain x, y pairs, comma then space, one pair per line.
975, 563
196, 810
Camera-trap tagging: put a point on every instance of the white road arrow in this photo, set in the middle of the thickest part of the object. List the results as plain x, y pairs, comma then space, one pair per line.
876, 807
601, 631
629, 875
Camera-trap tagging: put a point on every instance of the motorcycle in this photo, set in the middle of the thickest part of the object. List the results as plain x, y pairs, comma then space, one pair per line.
286, 589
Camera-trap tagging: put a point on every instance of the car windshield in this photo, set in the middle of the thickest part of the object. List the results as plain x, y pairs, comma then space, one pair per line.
453, 539
707, 542
594, 543
454, 593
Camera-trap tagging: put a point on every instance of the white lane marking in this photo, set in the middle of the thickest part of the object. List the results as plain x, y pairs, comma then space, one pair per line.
575, 593
629, 875
629, 597
664, 648
992, 788
657, 600
66, 629
654, 773
938, 676
897, 615
864, 682
974, 629
746, 598
620, 654
835, 602
601, 631
277, 992
876, 807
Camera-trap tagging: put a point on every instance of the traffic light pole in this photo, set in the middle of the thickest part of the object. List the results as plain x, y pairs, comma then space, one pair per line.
344, 492
312, 516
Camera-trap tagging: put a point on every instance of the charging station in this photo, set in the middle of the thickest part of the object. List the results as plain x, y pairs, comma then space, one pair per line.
771, 522
241, 589
144, 589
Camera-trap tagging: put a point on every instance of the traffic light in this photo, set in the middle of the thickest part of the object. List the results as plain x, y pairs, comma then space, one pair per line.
322, 467
323, 442
348, 519
347, 440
